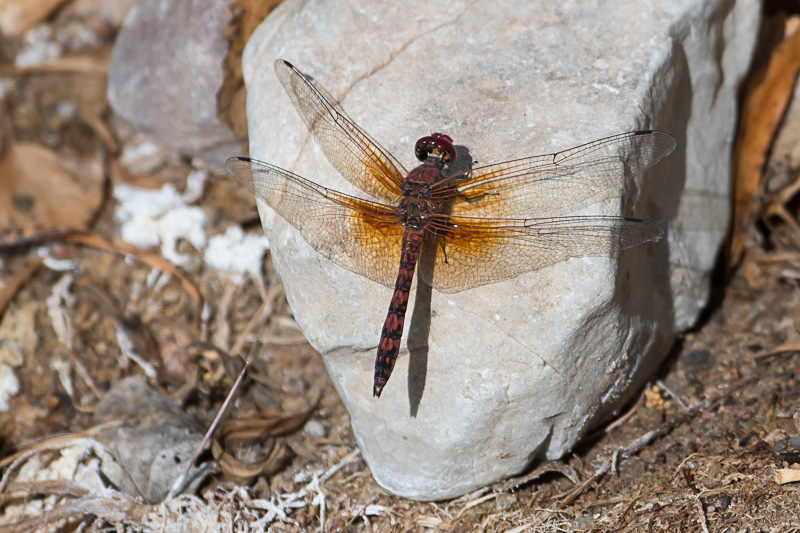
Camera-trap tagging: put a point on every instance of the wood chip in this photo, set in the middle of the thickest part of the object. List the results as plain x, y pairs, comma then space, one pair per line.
787, 475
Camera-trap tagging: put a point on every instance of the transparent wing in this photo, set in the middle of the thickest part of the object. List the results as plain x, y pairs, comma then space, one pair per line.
471, 251
557, 184
361, 236
356, 156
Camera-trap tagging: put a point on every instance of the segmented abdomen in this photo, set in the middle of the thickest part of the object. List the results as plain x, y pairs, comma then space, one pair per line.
389, 345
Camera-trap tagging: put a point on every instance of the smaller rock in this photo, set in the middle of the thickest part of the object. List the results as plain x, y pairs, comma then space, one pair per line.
315, 429
165, 72
141, 155
152, 437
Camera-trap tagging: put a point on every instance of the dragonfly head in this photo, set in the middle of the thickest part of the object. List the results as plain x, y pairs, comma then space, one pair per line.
439, 146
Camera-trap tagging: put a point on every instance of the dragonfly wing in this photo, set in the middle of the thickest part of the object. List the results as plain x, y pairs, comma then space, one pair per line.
356, 156
361, 236
471, 252
557, 184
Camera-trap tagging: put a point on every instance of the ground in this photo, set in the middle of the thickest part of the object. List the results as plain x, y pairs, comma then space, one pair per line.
704, 448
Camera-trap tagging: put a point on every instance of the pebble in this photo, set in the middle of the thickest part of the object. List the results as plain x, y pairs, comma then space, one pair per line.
315, 429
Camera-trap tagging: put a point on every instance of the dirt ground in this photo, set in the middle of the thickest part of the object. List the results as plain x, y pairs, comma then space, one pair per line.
704, 448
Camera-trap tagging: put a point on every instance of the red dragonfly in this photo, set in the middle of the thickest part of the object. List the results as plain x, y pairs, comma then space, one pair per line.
483, 225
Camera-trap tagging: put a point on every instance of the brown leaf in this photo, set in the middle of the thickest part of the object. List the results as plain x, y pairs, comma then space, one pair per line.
752, 273
37, 195
237, 439
143, 340
87, 89
18, 16
15, 282
765, 102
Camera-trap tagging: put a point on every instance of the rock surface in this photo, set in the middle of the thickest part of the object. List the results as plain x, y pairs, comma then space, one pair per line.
493, 378
166, 70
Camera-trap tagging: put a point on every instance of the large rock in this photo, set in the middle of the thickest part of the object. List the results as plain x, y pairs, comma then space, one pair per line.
493, 378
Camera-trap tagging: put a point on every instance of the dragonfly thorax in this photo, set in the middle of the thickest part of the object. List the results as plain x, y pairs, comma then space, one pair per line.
415, 203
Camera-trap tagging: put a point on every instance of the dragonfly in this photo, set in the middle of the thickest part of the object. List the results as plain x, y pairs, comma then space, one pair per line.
483, 225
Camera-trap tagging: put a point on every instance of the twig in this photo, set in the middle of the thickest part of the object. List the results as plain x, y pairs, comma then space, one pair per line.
265, 310
248, 329
73, 65
475, 502
621, 420
222, 331
702, 512
179, 484
544, 468
674, 396
278, 504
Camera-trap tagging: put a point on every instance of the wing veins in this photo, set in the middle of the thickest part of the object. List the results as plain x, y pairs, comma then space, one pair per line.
354, 154
481, 251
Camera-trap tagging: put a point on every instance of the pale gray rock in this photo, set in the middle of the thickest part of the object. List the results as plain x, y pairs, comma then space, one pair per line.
166, 70
151, 437
315, 429
493, 378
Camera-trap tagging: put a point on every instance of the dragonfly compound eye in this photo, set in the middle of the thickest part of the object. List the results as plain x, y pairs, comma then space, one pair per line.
438, 142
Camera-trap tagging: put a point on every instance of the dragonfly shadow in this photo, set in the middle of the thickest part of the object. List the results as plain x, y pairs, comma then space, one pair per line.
420, 323
418, 332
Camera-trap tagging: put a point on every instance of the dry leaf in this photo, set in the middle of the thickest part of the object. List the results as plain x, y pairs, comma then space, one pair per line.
137, 332
15, 282
765, 102
752, 273
18, 16
37, 195
247, 447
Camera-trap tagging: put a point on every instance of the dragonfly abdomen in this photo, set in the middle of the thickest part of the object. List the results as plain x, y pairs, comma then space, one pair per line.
389, 345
